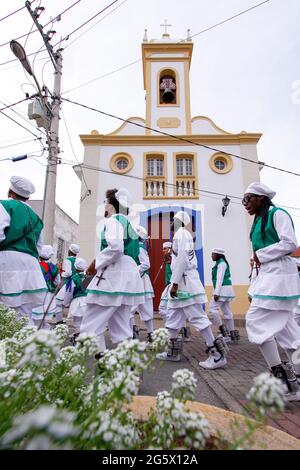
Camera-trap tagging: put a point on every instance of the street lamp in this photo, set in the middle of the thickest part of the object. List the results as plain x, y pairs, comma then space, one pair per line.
226, 202
20, 54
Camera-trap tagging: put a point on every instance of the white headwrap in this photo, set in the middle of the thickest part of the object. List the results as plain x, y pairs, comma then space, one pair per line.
21, 186
260, 189
80, 264
46, 252
123, 197
74, 248
183, 216
141, 231
167, 245
218, 251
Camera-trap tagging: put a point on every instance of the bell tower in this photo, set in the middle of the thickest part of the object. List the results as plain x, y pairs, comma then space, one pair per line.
166, 69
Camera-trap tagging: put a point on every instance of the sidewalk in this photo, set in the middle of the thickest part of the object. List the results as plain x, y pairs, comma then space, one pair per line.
225, 387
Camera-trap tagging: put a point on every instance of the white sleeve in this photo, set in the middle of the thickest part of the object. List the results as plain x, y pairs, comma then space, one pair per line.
184, 244
144, 260
4, 222
56, 280
66, 268
40, 242
220, 277
114, 234
287, 239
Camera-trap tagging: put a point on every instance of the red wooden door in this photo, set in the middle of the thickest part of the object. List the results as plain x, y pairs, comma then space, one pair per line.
159, 232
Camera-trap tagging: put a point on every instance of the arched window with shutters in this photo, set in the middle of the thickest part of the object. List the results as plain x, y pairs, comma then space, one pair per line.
155, 172
185, 175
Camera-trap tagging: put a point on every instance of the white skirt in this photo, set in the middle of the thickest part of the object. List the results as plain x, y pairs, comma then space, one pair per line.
190, 291
277, 286
121, 285
148, 289
226, 294
78, 307
21, 279
39, 310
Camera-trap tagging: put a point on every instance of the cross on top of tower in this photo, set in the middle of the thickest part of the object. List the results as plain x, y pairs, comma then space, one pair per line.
165, 25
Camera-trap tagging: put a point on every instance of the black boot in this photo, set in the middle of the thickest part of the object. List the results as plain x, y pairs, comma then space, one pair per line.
135, 332
285, 372
235, 335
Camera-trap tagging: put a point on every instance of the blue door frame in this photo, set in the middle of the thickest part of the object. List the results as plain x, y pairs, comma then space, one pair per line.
198, 229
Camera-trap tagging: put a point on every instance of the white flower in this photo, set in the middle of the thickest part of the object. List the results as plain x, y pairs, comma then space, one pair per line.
267, 392
62, 332
184, 384
87, 344
160, 339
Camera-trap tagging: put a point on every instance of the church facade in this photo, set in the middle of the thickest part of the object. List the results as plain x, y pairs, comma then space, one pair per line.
180, 167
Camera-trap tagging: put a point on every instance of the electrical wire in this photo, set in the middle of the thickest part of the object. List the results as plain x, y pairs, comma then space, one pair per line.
19, 124
205, 192
24, 118
181, 139
18, 143
13, 104
101, 19
56, 18
14, 12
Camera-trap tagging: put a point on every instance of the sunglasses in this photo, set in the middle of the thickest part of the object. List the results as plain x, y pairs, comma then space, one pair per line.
247, 199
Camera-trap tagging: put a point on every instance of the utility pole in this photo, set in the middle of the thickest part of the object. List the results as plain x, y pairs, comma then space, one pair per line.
49, 204
52, 131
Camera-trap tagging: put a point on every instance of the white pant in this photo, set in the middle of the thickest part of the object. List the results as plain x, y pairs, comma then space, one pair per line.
25, 311
176, 318
97, 317
145, 310
215, 306
262, 325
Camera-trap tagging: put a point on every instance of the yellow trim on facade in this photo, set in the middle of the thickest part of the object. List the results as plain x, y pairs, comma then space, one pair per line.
205, 118
187, 96
108, 140
164, 178
148, 97
125, 156
224, 158
149, 48
158, 76
136, 118
194, 178
168, 122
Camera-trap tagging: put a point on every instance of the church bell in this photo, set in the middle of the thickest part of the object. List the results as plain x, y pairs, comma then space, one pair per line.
168, 95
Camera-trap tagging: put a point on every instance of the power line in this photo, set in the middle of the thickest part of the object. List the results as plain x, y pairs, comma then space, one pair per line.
24, 119
101, 19
18, 143
19, 124
71, 145
14, 12
207, 193
182, 139
13, 104
229, 19
193, 35
56, 18
86, 22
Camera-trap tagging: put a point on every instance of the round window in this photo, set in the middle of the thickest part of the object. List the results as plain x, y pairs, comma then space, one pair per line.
220, 164
122, 163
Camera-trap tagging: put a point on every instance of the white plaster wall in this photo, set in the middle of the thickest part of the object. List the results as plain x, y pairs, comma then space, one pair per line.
230, 232
131, 129
168, 111
204, 126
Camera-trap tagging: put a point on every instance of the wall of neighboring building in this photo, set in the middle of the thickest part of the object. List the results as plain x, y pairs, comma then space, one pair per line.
65, 229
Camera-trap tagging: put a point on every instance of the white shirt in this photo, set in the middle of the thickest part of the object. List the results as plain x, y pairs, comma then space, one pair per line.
183, 247
114, 234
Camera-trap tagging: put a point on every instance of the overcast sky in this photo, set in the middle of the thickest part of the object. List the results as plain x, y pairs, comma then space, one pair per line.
245, 75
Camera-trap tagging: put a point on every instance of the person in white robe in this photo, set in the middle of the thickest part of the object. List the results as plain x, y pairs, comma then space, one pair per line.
145, 309
275, 290
167, 257
117, 285
297, 308
65, 294
223, 295
78, 304
22, 285
185, 299
52, 277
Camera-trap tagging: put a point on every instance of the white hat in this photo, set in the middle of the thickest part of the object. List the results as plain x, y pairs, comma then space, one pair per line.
21, 186
142, 232
46, 252
80, 264
260, 189
218, 251
123, 197
183, 216
167, 245
74, 248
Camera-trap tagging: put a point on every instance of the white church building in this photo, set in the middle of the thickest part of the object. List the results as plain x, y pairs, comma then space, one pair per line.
165, 174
